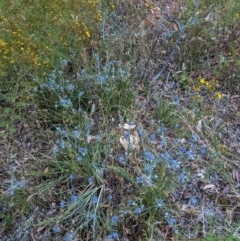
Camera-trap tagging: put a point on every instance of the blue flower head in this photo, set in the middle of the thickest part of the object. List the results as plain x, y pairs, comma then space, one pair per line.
62, 204
130, 202
52, 84
65, 102
70, 87
139, 179
109, 197
138, 210
114, 235
90, 180
176, 100
174, 164
76, 133
148, 169
92, 216
163, 141
80, 94
68, 237
95, 199
189, 154
152, 137
79, 158
195, 138
126, 135
147, 181
73, 198
140, 132
203, 150
98, 138
61, 143
114, 219
164, 129
166, 156
61, 131
55, 149
181, 177
56, 229
155, 177
148, 156
171, 222
82, 150
159, 203
182, 150
193, 201
195, 20
120, 118
71, 177
122, 159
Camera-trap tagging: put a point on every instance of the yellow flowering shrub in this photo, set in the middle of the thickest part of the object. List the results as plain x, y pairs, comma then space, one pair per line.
37, 34
209, 85
206, 87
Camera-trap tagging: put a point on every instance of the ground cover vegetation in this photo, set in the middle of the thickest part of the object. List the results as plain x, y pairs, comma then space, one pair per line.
119, 120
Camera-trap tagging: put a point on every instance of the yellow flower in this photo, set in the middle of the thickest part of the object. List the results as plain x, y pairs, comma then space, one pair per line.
2, 43
197, 98
88, 34
112, 6
202, 81
35, 60
218, 95
99, 17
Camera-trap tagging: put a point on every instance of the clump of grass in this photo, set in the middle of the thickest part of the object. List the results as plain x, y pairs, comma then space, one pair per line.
97, 186
62, 100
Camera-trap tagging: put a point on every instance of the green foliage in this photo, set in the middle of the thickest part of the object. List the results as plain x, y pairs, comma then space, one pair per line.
213, 28
166, 112
42, 32
214, 238
10, 206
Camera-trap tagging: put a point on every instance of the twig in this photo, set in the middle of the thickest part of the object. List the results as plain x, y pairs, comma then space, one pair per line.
173, 51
